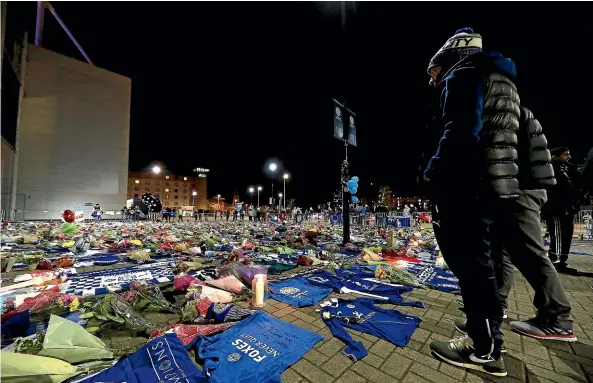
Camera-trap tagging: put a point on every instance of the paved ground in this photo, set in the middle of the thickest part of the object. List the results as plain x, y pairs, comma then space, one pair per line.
528, 360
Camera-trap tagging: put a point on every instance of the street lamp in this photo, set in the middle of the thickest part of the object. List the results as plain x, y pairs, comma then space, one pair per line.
193, 197
273, 167
285, 177
259, 188
156, 169
251, 190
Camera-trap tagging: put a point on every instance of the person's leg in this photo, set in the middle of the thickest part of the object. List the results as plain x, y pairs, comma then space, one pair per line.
474, 269
567, 230
553, 224
527, 252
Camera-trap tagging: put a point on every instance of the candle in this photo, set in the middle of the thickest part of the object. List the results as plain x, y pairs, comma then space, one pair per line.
259, 290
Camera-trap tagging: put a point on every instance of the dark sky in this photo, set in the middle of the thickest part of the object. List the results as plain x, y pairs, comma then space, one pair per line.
229, 85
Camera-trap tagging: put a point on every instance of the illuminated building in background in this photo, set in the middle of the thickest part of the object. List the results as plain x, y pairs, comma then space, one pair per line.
174, 190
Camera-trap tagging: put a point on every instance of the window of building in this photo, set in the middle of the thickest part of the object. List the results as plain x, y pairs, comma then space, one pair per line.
167, 190
147, 182
176, 178
147, 189
158, 182
185, 178
176, 197
175, 203
176, 190
157, 190
166, 177
166, 196
136, 188
184, 191
137, 181
176, 183
166, 184
193, 185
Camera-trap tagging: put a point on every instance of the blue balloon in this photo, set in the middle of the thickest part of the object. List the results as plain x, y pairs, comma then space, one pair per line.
355, 179
354, 199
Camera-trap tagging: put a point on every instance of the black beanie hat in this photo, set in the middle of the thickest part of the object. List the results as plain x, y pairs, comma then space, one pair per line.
559, 150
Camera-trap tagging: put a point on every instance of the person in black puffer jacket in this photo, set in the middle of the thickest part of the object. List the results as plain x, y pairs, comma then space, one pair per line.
476, 166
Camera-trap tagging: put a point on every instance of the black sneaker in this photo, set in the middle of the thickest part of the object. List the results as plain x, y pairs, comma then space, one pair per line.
460, 353
563, 268
461, 326
539, 329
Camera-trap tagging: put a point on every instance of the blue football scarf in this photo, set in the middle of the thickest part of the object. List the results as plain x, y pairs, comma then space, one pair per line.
434, 277
162, 360
298, 292
255, 350
390, 293
362, 315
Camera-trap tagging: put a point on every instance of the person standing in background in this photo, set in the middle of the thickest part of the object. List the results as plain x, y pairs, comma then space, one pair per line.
563, 202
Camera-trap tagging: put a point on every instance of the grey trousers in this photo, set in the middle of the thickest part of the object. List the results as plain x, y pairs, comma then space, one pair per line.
517, 240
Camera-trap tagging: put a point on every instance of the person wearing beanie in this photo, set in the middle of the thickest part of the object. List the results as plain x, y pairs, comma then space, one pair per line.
476, 165
558, 212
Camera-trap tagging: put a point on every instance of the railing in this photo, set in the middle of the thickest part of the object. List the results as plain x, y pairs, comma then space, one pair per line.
583, 221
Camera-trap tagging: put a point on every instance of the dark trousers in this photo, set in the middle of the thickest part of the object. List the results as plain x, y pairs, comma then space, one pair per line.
517, 240
561, 229
472, 265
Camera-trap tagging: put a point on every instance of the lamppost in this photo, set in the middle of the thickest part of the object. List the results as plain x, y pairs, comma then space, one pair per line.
279, 199
193, 197
156, 170
273, 167
218, 196
251, 190
285, 177
259, 188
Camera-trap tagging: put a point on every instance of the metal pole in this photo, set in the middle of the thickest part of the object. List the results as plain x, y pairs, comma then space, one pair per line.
39, 22
15, 159
284, 195
258, 198
65, 28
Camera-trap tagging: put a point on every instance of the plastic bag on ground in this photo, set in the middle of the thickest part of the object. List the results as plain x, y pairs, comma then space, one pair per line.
70, 342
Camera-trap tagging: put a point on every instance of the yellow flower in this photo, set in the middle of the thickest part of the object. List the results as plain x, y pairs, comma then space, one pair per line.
326, 315
74, 305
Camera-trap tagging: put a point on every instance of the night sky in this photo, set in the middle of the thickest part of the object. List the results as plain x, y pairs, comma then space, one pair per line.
227, 86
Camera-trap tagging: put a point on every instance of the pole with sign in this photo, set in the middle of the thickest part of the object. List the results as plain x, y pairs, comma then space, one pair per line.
345, 131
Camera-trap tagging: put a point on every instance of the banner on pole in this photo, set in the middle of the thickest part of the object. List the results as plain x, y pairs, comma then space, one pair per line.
338, 120
351, 128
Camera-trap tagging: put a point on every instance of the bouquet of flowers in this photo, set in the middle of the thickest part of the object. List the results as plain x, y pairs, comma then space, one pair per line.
142, 296
116, 309
396, 275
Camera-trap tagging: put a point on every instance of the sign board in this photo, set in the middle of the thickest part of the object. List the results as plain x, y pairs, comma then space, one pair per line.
89, 204
338, 120
351, 128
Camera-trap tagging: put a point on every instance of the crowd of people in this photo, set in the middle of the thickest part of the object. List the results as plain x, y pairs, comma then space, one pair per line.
492, 158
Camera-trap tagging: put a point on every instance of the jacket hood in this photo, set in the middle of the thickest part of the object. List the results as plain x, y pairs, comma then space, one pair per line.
488, 61
494, 62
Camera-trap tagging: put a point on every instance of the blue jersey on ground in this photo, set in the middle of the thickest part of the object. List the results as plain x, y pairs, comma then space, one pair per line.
298, 292
362, 315
255, 350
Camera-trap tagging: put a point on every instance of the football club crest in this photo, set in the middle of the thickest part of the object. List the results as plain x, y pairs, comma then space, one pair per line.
234, 357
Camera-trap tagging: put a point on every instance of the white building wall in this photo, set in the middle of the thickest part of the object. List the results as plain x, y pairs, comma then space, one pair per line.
73, 137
